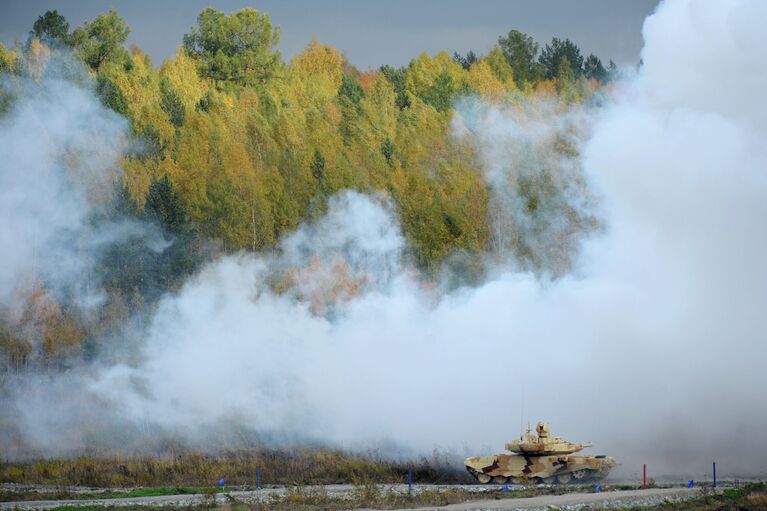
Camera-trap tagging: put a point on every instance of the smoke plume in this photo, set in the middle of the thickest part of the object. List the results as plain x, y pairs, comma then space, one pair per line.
649, 341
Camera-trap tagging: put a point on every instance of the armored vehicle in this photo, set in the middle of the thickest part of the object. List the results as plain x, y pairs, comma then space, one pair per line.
540, 458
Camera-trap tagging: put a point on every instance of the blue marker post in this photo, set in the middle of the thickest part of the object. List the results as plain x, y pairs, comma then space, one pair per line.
409, 480
258, 478
715, 474
597, 488
221, 482
506, 488
691, 484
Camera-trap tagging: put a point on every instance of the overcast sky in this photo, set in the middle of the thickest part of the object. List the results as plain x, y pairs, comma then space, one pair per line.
370, 33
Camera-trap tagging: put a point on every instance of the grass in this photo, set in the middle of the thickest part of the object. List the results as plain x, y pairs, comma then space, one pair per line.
64, 494
751, 497
365, 494
301, 466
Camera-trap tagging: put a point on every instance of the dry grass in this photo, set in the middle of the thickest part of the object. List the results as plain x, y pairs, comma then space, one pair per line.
757, 500
305, 466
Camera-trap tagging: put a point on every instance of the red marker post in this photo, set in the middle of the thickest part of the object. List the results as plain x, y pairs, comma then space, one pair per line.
644, 476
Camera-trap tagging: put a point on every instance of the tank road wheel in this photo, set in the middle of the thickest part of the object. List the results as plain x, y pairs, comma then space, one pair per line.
548, 480
580, 474
500, 480
484, 478
563, 478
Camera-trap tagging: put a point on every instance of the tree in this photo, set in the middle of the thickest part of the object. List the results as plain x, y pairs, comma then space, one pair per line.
111, 96
163, 205
466, 61
387, 149
499, 65
9, 63
101, 40
351, 89
318, 167
172, 103
565, 84
553, 53
593, 69
238, 48
612, 70
123, 204
520, 51
397, 79
442, 92
227, 215
51, 28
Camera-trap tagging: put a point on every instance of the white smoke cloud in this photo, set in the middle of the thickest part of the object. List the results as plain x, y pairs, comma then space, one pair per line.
652, 346
540, 207
60, 158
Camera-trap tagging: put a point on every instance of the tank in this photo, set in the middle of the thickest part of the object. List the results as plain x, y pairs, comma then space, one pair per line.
540, 458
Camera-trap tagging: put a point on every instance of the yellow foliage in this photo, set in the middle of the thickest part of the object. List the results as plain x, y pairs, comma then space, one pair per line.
37, 59
485, 82
379, 108
316, 73
181, 72
8, 58
500, 66
424, 70
258, 143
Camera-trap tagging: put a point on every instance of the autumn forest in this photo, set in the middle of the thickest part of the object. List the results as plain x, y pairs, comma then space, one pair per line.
231, 147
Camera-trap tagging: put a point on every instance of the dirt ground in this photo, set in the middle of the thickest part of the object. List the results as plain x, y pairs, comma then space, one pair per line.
604, 499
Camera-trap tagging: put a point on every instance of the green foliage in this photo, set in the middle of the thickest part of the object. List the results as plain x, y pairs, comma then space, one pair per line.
111, 96
227, 215
593, 68
51, 28
441, 93
520, 51
205, 102
565, 74
154, 145
565, 84
163, 205
397, 79
101, 40
467, 61
351, 89
318, 167
236, 48
172, 104
387, 149
553, 54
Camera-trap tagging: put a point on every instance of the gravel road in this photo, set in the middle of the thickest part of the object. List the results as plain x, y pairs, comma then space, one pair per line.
568, 501
572, 500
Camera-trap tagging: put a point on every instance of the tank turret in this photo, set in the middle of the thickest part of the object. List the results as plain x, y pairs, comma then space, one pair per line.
543, 443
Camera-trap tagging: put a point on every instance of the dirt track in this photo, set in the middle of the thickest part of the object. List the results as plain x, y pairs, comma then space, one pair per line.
605, 499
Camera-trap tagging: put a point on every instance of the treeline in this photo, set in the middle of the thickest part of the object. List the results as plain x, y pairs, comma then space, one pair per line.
240, 146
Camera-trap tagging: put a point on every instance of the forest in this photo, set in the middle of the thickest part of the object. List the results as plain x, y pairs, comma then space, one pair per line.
233, 147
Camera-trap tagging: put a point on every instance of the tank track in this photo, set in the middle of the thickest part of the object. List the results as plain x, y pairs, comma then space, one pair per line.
583, 476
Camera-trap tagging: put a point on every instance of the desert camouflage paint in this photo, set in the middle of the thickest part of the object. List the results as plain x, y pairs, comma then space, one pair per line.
540, 458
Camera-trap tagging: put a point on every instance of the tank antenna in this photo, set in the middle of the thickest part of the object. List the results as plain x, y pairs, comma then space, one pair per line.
522, 413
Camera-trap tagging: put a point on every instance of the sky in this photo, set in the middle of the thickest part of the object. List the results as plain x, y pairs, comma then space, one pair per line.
370, 33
